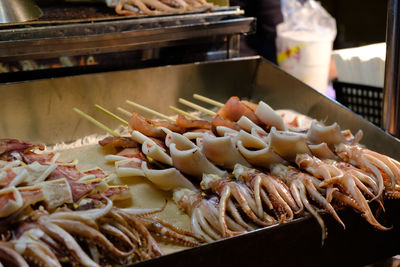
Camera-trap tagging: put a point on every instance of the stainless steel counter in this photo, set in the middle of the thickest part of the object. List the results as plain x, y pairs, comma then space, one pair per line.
41, 110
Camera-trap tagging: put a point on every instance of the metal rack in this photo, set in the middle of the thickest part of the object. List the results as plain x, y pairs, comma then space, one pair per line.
124, 42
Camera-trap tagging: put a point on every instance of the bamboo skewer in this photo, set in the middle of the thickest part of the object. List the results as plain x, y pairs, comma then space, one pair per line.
148, 110
153, 112
112, 115
96, 122
184, 113
208, 100
196, 107
124, 111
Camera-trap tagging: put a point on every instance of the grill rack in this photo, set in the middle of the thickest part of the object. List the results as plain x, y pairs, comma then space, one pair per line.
41, 39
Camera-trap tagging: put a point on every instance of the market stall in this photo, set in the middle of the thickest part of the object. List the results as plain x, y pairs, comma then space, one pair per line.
145, 224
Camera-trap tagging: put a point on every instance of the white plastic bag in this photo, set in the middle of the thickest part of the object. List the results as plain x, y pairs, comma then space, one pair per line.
304, 42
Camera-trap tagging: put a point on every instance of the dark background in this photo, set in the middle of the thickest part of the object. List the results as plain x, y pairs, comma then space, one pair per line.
358, 22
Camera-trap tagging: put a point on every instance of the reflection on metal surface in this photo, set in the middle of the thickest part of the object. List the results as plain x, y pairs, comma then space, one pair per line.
12, 11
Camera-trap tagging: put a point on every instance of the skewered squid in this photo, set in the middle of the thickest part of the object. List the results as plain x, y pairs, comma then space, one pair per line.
235, 196
222, 215
89, 237
384, 169
300, 184
222, 151
204, 215
269, 191
188, 158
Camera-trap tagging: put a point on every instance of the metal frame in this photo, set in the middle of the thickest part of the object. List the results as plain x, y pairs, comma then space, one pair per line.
44, 113
391, 103
41, 40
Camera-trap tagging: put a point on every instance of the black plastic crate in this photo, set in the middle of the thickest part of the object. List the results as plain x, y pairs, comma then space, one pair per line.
362, 99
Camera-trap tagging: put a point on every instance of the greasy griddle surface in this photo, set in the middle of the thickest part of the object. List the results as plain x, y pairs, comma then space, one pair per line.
76, 11
143, 193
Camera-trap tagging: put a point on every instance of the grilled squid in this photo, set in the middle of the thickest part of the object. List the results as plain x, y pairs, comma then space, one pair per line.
269, 117
167, 179
222, 151
256, 152
331, 135
188, 158
288, 144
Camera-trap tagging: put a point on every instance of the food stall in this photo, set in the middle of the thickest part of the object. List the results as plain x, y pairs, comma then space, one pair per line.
82, 39
42, 110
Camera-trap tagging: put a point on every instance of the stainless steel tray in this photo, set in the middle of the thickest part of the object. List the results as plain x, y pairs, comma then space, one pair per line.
41, 110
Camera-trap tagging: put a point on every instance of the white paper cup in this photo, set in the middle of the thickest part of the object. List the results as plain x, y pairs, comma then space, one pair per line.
306, 56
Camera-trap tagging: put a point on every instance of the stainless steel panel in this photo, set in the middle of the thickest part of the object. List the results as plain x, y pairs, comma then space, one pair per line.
391, 96
12, 11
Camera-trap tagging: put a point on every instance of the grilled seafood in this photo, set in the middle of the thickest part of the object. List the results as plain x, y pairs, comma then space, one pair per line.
270, 191
204, 214
385, 170
222, 151
82, 236
234, 109
235, 196
156, 7
256, 135
300, 184
226, 205
12, 148
347, 180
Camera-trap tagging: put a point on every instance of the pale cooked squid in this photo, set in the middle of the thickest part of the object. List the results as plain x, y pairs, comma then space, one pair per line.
235, 196
331, 135
269, 117
288, 144
204, 215
300, 184
322, 151
255, 151
188, 158
270, 191
385, 170
222, 151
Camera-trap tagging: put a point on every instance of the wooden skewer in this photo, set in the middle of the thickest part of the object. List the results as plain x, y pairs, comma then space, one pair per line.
148, 110
180, 111
96, 122
124, 111
196, 107
112, 115
208, 100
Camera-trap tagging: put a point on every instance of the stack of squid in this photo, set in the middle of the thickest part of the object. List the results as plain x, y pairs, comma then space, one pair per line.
53, 214
249, 167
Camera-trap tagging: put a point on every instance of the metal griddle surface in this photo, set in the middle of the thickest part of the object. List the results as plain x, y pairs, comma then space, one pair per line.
69, 12
61, 13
